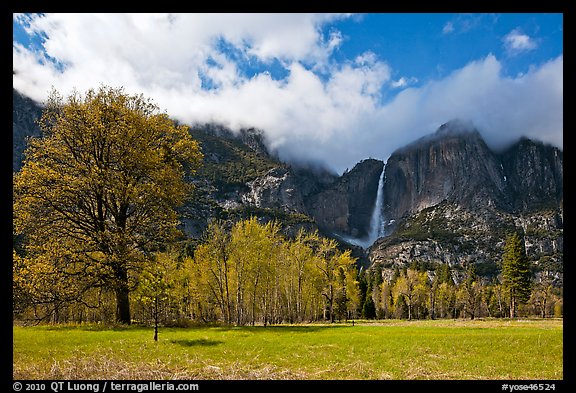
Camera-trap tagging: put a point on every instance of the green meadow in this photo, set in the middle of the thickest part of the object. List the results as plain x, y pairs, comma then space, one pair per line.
401, 350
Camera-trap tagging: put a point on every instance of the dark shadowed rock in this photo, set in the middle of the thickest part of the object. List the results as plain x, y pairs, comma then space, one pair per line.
25, 112
345, 207
534, 172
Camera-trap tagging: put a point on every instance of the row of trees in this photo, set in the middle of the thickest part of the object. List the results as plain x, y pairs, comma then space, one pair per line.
249, 273
413, 293
253, 274
95, 211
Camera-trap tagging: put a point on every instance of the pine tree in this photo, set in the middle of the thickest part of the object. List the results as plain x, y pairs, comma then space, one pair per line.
516, 276
369, 309
470, 291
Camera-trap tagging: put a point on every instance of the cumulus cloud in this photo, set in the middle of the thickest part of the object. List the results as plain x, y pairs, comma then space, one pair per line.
146, 50
516, 42
502, 108
318, 111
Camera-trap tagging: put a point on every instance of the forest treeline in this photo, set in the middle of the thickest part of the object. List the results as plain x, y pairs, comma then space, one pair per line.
250, 273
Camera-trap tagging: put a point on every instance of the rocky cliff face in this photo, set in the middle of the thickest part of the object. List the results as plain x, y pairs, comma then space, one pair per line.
534, 173
454, 164
277, 189
338, 205
345, 207
25, 112
448, 233
239, 177
450, 199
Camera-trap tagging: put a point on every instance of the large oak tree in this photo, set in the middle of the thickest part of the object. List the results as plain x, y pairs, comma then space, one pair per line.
97, 192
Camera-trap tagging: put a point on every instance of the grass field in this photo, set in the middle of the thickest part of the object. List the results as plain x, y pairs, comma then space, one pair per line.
442, 349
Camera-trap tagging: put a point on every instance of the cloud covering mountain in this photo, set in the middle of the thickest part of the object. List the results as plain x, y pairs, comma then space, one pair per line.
289, 75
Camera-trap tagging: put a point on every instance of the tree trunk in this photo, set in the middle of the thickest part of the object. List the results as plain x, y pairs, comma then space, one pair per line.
500, 306
512, 306
123, 305
472, 310
299, 316
331, 304
122, 297
156, 318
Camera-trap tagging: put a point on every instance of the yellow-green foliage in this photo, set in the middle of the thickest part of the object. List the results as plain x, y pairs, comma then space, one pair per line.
97, 192
253, 274
249, 274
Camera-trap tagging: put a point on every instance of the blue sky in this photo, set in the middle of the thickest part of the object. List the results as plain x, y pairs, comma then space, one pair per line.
325, 88
429, 46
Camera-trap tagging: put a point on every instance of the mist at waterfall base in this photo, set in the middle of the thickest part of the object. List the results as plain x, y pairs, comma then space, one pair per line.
376, 220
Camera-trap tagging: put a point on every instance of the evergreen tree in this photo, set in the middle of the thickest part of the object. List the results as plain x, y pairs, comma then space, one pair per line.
470, 291
363, 290
443, 274
369, 309
516, 272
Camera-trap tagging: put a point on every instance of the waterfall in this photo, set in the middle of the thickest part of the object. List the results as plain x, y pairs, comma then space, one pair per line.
376, 220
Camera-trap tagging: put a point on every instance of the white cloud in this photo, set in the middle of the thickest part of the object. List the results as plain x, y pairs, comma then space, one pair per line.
321, 111
502, 108
335, 40
516, 42
448, 28
463, 23
403, 82
138, 50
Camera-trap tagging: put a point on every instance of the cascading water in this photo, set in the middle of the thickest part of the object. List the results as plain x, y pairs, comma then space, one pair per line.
376, 220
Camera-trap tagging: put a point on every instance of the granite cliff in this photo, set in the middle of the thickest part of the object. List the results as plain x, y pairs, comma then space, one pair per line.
451, 199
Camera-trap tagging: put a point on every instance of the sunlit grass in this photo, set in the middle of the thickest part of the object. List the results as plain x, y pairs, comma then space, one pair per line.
443, 349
